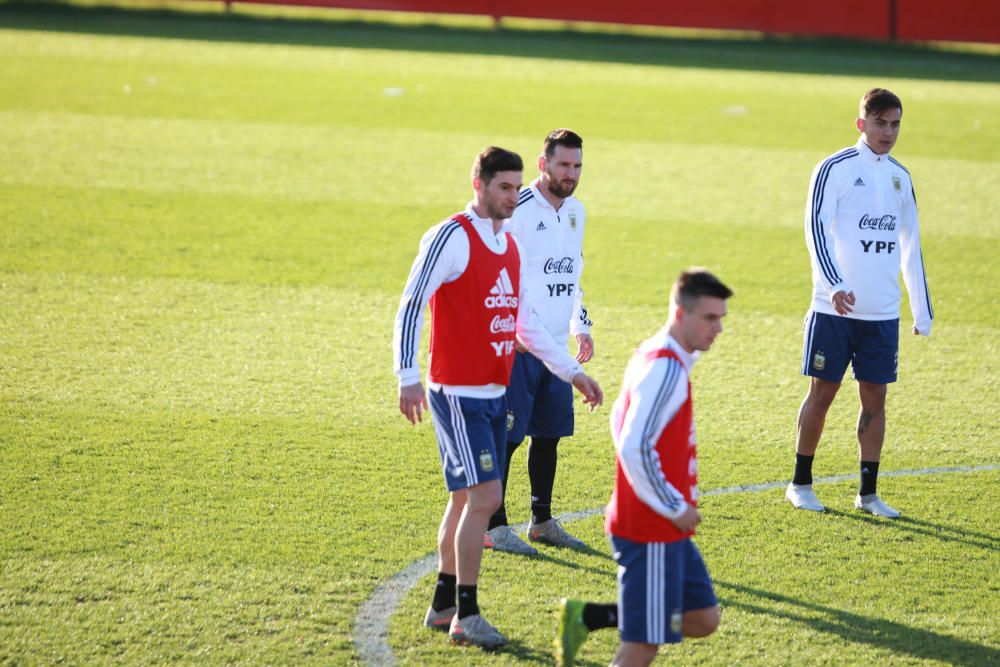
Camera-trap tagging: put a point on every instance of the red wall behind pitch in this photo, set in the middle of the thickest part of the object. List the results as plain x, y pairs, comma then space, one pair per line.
773, 16
957, 20
953, 20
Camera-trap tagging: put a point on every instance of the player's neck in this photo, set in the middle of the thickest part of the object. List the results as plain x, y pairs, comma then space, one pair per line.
674, 329
556, 202
478, 210
872, 148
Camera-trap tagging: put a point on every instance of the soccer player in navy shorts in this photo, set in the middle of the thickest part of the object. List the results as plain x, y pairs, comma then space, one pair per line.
664, 591
861, 230
469, 271
548, 224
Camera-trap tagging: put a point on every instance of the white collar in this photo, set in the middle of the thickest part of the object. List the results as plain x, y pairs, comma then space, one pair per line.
663, 340
868, 154
535, 190
687, 358
485, 223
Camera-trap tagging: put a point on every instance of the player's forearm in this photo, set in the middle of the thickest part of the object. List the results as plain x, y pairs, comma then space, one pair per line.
642, 468
536, 338
819, 214
916, 286
406, 342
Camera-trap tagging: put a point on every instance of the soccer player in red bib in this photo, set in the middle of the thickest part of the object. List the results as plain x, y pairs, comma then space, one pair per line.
469, 271
664, 591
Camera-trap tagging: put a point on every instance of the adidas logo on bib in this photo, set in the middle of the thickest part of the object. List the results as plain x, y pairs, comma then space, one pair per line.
502, 293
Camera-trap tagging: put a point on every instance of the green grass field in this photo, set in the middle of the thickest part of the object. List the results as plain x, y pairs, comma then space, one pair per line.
205, 224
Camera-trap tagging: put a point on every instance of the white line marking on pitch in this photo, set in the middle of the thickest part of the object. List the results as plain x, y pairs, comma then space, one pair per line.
371, 626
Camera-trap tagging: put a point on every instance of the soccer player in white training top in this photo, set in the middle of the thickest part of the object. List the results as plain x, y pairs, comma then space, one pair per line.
548, 225
861, 228
469, 271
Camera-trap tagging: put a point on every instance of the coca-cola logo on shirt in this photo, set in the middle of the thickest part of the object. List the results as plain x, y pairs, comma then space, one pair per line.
882, 223
563, 265
502, 324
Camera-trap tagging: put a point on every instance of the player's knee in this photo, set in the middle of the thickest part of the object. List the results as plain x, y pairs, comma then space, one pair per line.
822, 392
485, 498
701, 623
872, 396
647, 654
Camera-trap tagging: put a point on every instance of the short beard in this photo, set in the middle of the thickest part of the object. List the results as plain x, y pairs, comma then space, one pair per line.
559, 191
494, 211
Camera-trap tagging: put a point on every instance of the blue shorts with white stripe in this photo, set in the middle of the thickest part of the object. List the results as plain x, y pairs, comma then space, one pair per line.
471, 436
657, 583
833, 341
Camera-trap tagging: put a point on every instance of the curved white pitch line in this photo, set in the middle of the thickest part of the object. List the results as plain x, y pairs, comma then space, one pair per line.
371, 626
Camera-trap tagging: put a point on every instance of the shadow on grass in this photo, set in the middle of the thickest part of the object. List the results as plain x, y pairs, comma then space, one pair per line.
525, 653
786, 54
938, 531
609, 571
854, 628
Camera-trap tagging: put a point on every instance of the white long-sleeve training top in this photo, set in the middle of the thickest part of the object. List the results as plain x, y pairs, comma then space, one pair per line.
552, 259
861, 226
442, 258
652, 394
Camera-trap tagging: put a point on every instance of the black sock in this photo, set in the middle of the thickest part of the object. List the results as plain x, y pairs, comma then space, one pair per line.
542, 458
803, 469
444, 592
499, 517
869, 477
597, 616
467, 604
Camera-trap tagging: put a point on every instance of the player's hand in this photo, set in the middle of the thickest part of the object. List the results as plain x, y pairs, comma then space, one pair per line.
411, 399
842, 302
585, 345
688, 519
916, 331
586, 385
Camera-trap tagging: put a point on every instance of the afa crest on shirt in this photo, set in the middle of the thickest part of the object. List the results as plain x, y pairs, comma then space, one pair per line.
510, 420
819, 361
897, 184
572, 219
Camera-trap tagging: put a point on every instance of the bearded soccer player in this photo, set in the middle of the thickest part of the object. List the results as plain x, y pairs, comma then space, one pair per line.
861, 228
664, 591
470, 271
548, 225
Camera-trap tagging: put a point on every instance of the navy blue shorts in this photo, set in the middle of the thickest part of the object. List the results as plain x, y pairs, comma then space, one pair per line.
471, 436
833, 341
538, 403
657, 583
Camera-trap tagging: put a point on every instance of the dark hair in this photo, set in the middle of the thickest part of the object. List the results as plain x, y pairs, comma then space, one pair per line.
877, 100
561, 137
694, 283
494, 159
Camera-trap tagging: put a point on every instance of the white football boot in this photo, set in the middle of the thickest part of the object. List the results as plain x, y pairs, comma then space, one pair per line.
803, 498
874, 505
476, 630
505, 539
552, 532
439, 620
